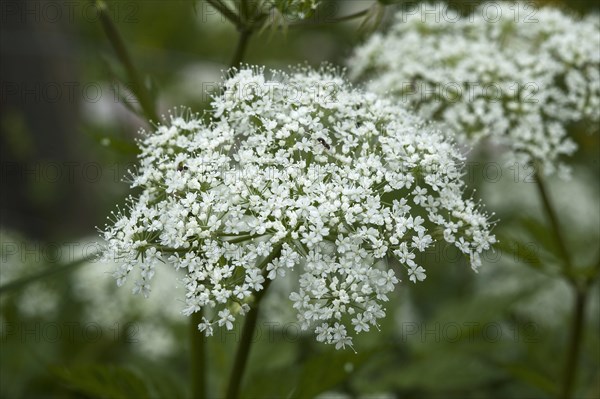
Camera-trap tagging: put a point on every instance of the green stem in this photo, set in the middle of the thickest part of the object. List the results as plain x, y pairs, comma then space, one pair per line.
244, 10
198, 357
137, 84
575, 340
350, 17
240, 49
243, 351
243, 24
553, 218
47, 272
578, 320
226, 12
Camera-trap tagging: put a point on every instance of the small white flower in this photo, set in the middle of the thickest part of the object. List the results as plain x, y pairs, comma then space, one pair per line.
416, 273
206, 327
226, 319
360, 323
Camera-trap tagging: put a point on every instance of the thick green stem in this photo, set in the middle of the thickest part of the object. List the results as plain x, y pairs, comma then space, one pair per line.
574, 349
240, 49
578, 318
244, 10
198, 356
137, 84
241, 357
226, 12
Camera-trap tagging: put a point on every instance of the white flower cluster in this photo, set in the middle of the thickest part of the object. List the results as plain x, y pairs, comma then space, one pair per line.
520, 75
295, 172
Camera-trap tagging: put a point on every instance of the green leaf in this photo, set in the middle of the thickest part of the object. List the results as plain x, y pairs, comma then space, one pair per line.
540, 232
328, 369
115, 143
445, 372
106, 381
531, 377
264, 385
523, 252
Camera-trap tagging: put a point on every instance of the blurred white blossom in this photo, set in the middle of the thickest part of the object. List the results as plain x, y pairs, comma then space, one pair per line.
106, 304
294, 172
146, 322
21, 258
520, 75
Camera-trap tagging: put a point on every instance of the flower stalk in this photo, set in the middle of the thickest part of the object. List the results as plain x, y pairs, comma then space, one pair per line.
241, 47
554, 222
580, 292
137, 84
243, 351
226, 12
198, 356
574, 348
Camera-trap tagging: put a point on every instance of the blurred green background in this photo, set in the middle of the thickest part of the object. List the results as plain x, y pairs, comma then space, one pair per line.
67, 141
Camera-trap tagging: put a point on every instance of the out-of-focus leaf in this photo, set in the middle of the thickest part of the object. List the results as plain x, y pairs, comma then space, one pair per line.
163, 381
272, 383
274, 351
107, 381
540, 232
115, 143
326, 370
443, 373
522, 252
531, 377
457, 349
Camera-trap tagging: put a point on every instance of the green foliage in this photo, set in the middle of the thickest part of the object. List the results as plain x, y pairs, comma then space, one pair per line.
327, 370
105, 382
115, 382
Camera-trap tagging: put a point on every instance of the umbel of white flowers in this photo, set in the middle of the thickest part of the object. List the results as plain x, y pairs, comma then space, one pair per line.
508, 71
298, 174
